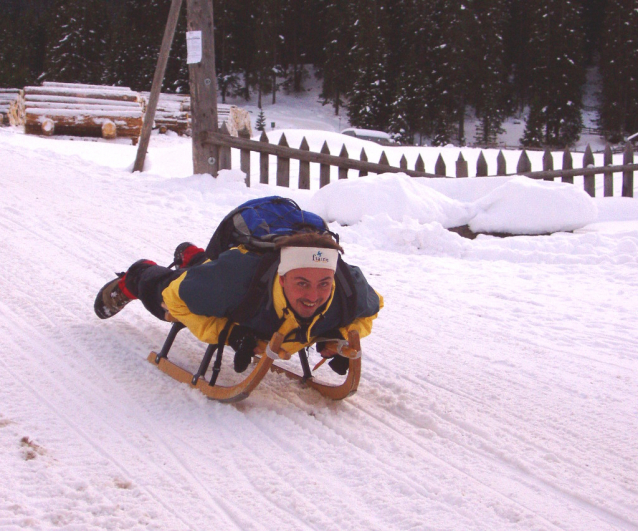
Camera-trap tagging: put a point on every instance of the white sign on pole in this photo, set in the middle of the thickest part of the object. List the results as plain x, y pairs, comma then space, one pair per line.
193, 47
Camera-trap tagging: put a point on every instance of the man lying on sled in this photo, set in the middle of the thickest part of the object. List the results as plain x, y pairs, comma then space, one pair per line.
302, 289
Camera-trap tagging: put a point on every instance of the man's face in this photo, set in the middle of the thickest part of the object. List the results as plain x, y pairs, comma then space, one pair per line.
307, 289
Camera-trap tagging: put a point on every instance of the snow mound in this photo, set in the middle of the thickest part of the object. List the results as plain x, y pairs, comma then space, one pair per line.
526, 206
394, 194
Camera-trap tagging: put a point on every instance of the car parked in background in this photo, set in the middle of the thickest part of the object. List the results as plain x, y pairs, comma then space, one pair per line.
369, 134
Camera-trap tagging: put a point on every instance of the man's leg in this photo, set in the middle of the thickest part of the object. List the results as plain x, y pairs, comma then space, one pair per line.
144, 280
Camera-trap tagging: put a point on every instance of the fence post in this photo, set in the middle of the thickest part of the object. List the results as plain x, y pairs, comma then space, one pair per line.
501, 165
263, 161
590, 180
343, 172
283, 165
481, 165
548, 163
628, 175
324, 169
224, 151
244, 156
439, 167
384, 159
568, 164
524, 165
304, 167
403, 163
364, 158
608, 160
419, 165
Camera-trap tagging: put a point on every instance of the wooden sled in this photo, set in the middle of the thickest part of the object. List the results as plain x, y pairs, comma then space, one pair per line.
240, 391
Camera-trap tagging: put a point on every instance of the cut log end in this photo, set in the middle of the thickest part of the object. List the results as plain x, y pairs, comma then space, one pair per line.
48, 127
109, 130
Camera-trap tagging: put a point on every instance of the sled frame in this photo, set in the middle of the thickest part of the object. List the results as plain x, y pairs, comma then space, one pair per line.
265, 363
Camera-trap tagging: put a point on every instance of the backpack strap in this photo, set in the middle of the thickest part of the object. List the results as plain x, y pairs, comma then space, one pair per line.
345, 284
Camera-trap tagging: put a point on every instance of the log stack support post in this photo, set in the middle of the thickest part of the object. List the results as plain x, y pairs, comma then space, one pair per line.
158, 80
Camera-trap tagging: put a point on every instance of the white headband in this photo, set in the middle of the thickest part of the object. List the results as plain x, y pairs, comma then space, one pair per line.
300, 257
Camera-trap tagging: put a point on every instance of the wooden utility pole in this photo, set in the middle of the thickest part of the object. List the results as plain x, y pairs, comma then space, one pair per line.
203, 84
158, 79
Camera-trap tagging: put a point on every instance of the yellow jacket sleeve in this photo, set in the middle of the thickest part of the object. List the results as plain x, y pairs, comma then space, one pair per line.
206, 329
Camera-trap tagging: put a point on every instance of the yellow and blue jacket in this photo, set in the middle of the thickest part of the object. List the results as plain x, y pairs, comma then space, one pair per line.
204, 297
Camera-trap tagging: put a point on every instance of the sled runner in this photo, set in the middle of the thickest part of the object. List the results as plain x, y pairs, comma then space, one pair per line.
265, 362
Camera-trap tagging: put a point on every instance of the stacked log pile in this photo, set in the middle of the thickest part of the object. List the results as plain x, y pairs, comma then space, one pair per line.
169, 115
109, 112
80, 110
7, 97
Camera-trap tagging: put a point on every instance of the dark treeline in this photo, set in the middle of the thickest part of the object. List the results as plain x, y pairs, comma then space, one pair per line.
411, 67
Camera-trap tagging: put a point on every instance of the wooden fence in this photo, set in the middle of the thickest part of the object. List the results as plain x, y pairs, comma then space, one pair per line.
284, 153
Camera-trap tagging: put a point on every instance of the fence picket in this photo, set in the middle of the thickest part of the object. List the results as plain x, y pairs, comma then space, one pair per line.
439, 167
324, 169
263, 161
283, 165
524, 165
224, 151
608, 160
501, 164
304, 167
419, 165
364, 158
568, 164
384, 159
343, 172
244, 157
590, 180
548, 163
403, 163
628, 175
481, 165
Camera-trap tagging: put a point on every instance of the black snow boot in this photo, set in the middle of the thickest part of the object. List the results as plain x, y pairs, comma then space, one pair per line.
112, 297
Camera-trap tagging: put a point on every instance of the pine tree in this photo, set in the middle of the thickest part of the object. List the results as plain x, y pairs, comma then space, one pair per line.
336, 66
619, 69
226, 43
77, 49
370, 96
410, 104
22, 47
489, 75
136, 42
260, 125
557, 72
448, 74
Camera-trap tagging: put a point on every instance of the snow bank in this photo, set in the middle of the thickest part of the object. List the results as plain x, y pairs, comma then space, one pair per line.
525, 206
515, 205
396, 195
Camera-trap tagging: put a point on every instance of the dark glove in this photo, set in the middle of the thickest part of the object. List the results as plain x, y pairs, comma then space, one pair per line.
243, 342
339, 364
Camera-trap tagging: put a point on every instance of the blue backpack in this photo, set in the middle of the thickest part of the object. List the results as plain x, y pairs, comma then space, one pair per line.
258, 223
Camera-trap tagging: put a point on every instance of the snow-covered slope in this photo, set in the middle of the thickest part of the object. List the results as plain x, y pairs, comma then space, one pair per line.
499, 386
